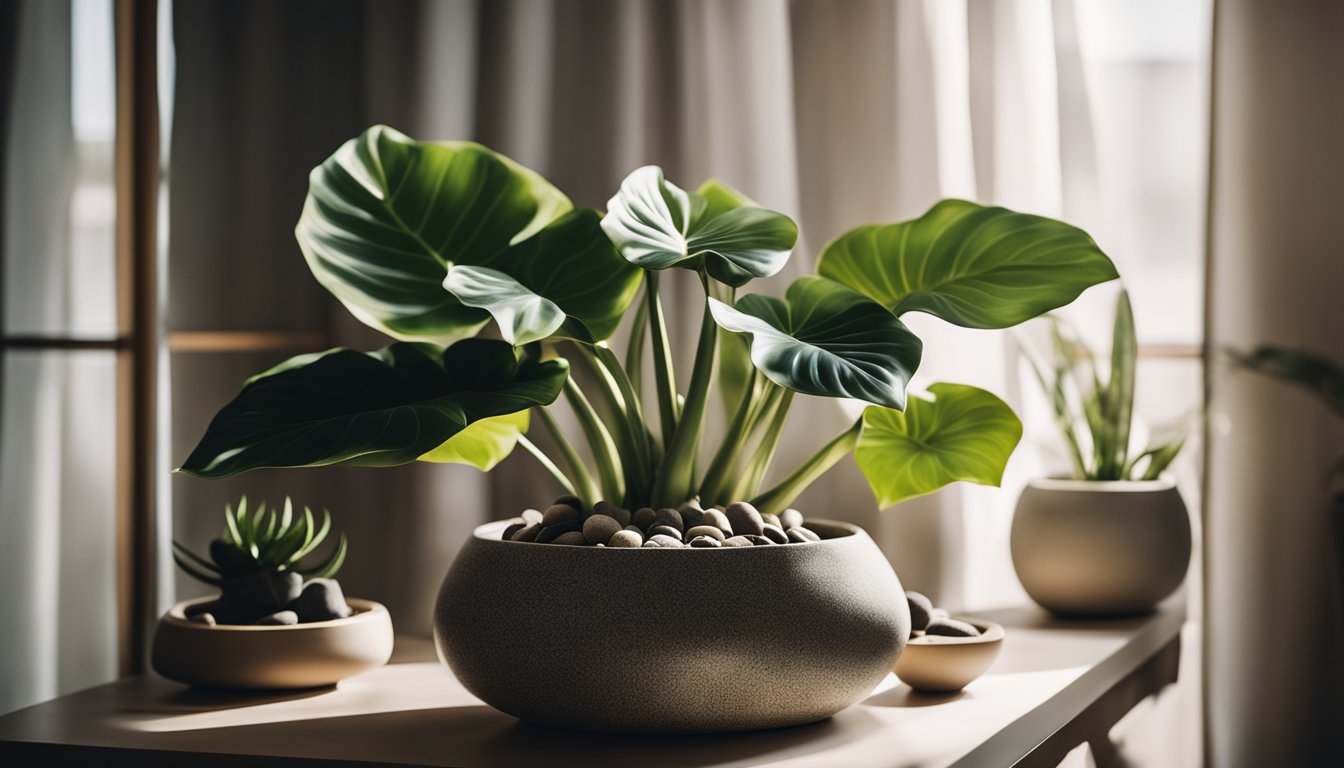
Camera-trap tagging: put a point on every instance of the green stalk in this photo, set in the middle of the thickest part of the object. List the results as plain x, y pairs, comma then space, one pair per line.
584, 485
634, 351
637, 429
676, 480
749, 482
599, 440
779, 498
734, 439
547, 464
626, 435
664, 375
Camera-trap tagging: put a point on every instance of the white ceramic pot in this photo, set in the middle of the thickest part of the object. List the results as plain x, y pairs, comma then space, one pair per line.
1100, 548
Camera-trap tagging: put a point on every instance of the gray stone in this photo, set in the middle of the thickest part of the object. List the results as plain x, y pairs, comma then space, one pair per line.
737, 541
622, 516
511, 530
669, 517
800, 534
757, 541
770, 519
569, 501
604, 508
665, 530
951, 628
790, 518
552, 532
701, 542
938, 613
321, 600
528, 532
643, 518
744, 519
573, 538
717, 519
206, 618
920, 608
600, 528
560, 513
691, 514
663, 540
774, 533
531, 516
245, 599
279, 618
626, 538
192, 610
706, 530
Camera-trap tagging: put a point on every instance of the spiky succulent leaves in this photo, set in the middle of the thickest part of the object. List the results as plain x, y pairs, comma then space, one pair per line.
657, 225
264, 541
381, 409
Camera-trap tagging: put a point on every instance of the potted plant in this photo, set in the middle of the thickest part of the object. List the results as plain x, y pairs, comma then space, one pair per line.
1114, 538
431, 242
279, 620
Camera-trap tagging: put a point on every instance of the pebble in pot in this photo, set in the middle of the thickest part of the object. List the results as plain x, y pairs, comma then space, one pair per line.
626, 538
643, 518
717, 519
279, 618
744, 519
560, 513
790, 518
921, 610
801, 535
775, 534
706, 530
573, 539
245, 599
599, 529
665, 530
321, 600
670, 518
951, 628
552, 532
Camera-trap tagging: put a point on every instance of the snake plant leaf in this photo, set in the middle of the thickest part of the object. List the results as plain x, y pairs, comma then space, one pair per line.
371, 409
964, 433
386, 215
656, 225
971, 265
825, 339
483, 444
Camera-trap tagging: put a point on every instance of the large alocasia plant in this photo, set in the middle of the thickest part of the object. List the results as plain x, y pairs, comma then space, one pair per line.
431, 241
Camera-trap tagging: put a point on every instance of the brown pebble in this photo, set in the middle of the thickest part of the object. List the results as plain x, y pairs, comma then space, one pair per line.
705, 530
737, 541
774, 533
665, 530
573, 538
626, 538
669, 517
921, 609
559, 513
528, 532
604, 508
800, 534
744, 519
770, 519
599, 529
511, 530
552, 532
757, 541
951, 628
717, 519
643, 518
701, 542
569, 501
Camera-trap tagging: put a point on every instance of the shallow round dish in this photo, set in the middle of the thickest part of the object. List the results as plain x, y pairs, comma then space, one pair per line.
940, 664
271, 657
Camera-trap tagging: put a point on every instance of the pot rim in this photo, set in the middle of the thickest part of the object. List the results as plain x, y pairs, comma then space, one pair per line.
490, 533
365, 611
1163, 483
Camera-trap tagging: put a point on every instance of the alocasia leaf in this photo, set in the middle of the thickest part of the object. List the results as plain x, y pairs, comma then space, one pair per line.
482, 444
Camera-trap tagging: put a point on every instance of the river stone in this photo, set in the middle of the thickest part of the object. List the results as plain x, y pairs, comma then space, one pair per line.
192, 610
573, 538
663, 540
920, 608
643, 518
569, 501
737, 541
626, 538
717, 519
552, 532
528, 532
790, 518
511, 530
758, 541
600, 528
800, 534
669, 517
951, 628
665, 530
245, 599
744, 519
700, 542
622, 516
560, 513
279, 618
770, 519
604, 508
938, 613
207, 618
705, 530
321, 600
691, 514
531, 516
775, 534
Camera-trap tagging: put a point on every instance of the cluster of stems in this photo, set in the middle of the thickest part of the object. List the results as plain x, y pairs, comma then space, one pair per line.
641, 465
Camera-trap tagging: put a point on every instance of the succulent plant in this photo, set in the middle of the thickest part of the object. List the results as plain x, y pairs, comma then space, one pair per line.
262, 540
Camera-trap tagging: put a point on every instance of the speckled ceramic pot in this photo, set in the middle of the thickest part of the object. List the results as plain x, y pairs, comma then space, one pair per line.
671, 640
1090, 548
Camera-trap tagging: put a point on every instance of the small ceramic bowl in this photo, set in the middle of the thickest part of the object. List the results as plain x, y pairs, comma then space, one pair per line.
939, 664
309, 655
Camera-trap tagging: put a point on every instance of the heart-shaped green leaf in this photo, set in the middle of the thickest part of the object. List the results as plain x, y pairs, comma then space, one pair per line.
656, 225
825, 339
386, 215
968, 264
964, 433
370, 409
482, 444
569, 269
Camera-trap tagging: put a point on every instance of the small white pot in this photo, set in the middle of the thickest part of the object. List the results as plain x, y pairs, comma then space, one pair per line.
1100, 548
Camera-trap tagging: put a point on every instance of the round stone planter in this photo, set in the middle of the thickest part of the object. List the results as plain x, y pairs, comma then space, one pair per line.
671, 640
1100, 548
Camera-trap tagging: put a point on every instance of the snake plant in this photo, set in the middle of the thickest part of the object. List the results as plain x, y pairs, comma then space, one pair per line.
262, 540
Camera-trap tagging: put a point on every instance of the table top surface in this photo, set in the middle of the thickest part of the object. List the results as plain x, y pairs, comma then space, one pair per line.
413, 712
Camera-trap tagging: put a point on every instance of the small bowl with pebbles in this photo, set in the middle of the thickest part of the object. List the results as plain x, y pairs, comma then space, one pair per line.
945, 653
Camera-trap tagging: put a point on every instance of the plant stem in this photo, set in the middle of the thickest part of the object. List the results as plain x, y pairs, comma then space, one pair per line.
547, 463
626, 435
676, 479
637, 429
599, 440
734, 438
749, 482
634, 351
664, 375
584, 485
778, 499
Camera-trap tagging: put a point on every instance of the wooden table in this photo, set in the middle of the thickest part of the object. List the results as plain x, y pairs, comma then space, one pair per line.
1056, 684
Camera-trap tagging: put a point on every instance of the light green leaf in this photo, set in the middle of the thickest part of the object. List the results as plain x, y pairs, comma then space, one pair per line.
371, 409
968, 264
657, 225
964, 433
825, 339
483, 444
523, 316
387, 215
